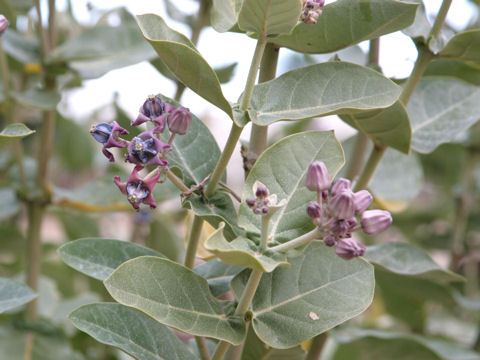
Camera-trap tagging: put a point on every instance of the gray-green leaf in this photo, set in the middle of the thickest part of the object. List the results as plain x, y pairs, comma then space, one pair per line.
224, 14
131, 331
321, 89
98, 258
218, 275
13, 132
463, 46
13, 294
347, 22
175, 296
282, 168
37, 99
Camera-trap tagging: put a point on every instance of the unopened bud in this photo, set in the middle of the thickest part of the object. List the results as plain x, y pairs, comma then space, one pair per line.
329, 241
179, 120
340, 185
3, 24
342, 205
250, 202
375, 221
318, 179
362, 200
314, 210
260, 190
348, 248
101, 132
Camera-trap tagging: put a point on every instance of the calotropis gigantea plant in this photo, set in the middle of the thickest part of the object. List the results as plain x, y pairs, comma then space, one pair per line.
289, 253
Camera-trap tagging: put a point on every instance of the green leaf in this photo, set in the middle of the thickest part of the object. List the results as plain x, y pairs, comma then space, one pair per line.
243, 252
13, 132
463, 46
131, 331
322, 89
319, 291
175, 296
37, 99
164, 238
20, 48
421, 27
196, 153
13, 294
460, 70
269, 17
218, 275
376, 344
347, 22
224, 14
183, 59
225, 73
388, 127
216, 209
404, 259
98, 258
176, 14
282, 168
440, 109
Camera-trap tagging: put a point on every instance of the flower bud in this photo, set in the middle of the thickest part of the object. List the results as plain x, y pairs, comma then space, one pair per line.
340, 185
152, 109
101, 132
314, 210
250, 202
362, 200
340, 228
342, 205
3, 24
179, 120
262, 192
375, 221
348, 248
318, 179
329, 241
109, 136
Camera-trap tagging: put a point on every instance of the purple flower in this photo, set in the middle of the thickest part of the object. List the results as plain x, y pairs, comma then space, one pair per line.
362, 200
264, 203
179, 120
342, 206
375, 221
153, 109
108, 135
340, 185
145, 149
137, 190
3, 24
348, 248
318, 179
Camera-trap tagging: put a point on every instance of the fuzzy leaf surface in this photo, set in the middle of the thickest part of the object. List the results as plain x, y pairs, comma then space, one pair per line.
218, 275
98, 257
224, 14
131, 331
183, 59
463, 46
344, 23
13, 294
175, 296
282, 168
321, 89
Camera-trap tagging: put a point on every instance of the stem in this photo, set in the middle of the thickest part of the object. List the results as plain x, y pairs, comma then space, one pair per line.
374, 52
230, 190
439, 20
193, 241
316, 347
202, 348
265, 229
5, 75
299, 241
369, 169
252, 73
242, 307
176, 181
357, 157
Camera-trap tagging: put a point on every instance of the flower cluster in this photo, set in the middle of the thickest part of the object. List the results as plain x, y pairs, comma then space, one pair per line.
311, 11
263, 203
336, 209
146, 149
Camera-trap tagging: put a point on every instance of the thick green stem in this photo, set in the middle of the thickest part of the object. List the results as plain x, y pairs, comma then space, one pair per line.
202, 348
265, 229
356, 160
193, 241
242, 307
176, 181
299, 241
440, 19
252, 73
316, 347
370, 167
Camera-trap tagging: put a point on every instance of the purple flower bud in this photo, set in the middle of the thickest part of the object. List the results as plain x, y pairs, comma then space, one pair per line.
329, 241
342, 205
101, 132
108, 135
375, 221
3, 24
340, 185
152, 109
340, 228
318, 179
250, 202
362, 200
137, 190
146, 149
348, 248
261, 192
179, 120
314, 210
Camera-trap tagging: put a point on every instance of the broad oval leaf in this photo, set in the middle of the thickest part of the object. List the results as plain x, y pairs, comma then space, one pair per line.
421, 27
218, 275
282, 168
224, 14
244, 252
347, 22
269, 17
183, 59
175, 296
463, 46
318, 292
440, 109
13, 294
22, 49
458, 69
131, 331
388, 127
404, 259
37, 99
13, 132
321, 89
98, 258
